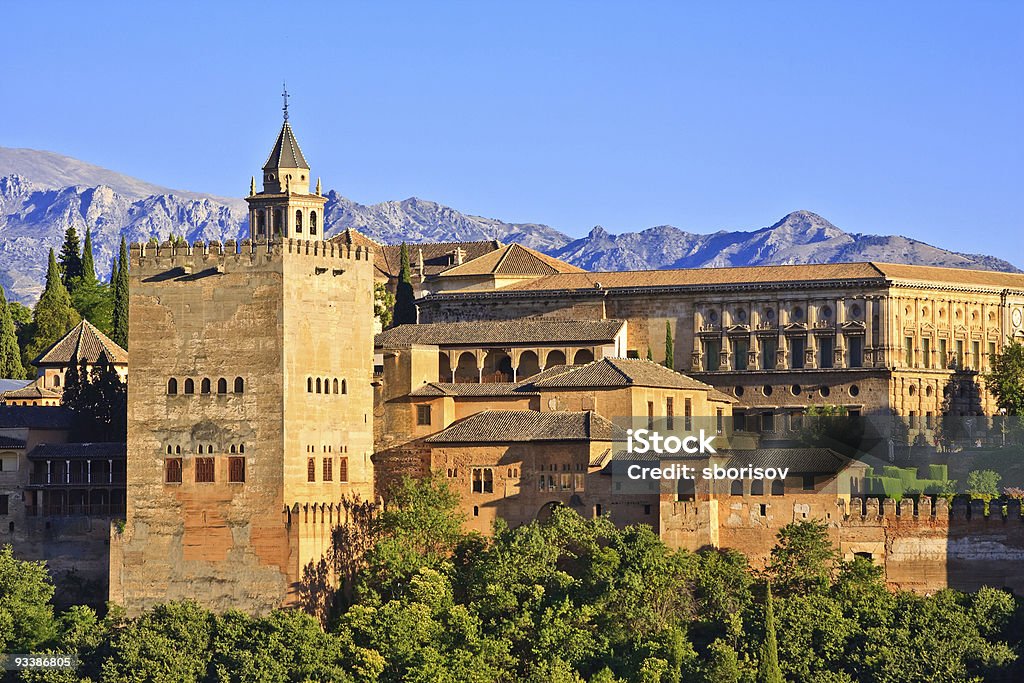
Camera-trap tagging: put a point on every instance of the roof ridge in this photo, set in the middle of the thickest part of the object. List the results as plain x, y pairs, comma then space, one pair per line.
501, 259
611, 362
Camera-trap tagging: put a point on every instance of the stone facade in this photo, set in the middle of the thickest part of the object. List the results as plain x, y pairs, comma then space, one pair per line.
250, 416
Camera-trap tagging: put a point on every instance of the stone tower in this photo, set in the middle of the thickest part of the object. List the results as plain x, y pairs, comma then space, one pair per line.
285, 208
250, 409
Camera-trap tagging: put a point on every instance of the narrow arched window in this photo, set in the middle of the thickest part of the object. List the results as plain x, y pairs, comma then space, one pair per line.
309, 384
335, 385
312, 222
190, 386
233, 450
56, 380
200, 449
318, 385
344, 386
239, 385
241, 448
169, 449
172, 386
206, 385
222, 386
177, 450
298, 220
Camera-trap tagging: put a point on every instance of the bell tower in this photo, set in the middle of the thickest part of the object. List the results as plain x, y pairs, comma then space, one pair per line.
285, 208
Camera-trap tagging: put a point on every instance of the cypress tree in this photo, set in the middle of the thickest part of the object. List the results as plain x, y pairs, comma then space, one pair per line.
88, 265
405, 299
670, 361
119, 316
10, 352
53, 316
89, 296
70, 259
768, 670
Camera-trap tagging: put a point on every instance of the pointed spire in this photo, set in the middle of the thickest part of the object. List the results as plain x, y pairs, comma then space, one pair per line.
284, 94
288, 184
318, 192
252, 186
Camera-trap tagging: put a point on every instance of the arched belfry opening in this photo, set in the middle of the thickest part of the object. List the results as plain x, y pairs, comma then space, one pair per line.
285, 207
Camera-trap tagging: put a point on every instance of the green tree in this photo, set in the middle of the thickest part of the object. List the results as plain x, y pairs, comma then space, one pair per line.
983, 484
119, 312
26, 615
768, 670
1005, 381
54, 316
383, 304
98, 400
90, 297
10, 353
70, 259
169, 644
803, 560
723, 664
670, 356
405, 298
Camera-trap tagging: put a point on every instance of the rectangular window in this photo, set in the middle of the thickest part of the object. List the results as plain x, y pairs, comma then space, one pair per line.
719, 420
976, 355
908, 352
943, 354
739, 421
5, 505
236, 470
825, 356
991, 354
796, 421
926, 352
712, 350
311, 469
808, 482
566, 481
172, 470
768, 422
687, 414
739, 354
796, 352
541, 481
855, 348
423, 415
578, 482
343, 470
929, 420
488, 480
650, 414
204, 470
769, 345
328, 469
959, 354
670, 413
632, 353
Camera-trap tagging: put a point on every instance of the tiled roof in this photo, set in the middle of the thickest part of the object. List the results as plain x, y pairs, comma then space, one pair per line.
470, 389
436, 256
798, 460
38, 417
687, 277
10, 443
620, 372
84, 341
508, 426
545, 331
78, 450
961, 276
513, 259
32, 391
286, 152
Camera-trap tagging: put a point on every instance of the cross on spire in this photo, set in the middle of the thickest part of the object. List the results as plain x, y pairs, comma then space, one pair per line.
284, 94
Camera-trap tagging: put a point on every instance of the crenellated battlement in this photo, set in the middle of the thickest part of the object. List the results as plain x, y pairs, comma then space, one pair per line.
242, 251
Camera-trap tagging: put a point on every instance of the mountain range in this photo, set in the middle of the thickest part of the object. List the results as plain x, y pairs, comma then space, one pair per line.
43, 193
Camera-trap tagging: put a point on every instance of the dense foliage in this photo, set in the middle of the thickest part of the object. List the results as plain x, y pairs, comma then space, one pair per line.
405, 298
566, 600
1005, 381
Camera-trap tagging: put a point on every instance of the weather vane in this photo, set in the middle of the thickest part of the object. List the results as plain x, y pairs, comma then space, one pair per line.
284, 94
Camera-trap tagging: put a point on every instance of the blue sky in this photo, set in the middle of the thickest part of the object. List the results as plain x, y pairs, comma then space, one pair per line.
883, 117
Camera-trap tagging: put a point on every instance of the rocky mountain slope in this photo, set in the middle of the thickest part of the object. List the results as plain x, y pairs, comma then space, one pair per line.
42, 193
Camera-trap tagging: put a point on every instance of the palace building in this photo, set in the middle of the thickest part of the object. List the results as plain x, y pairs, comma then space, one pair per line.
250, 404
873, 337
